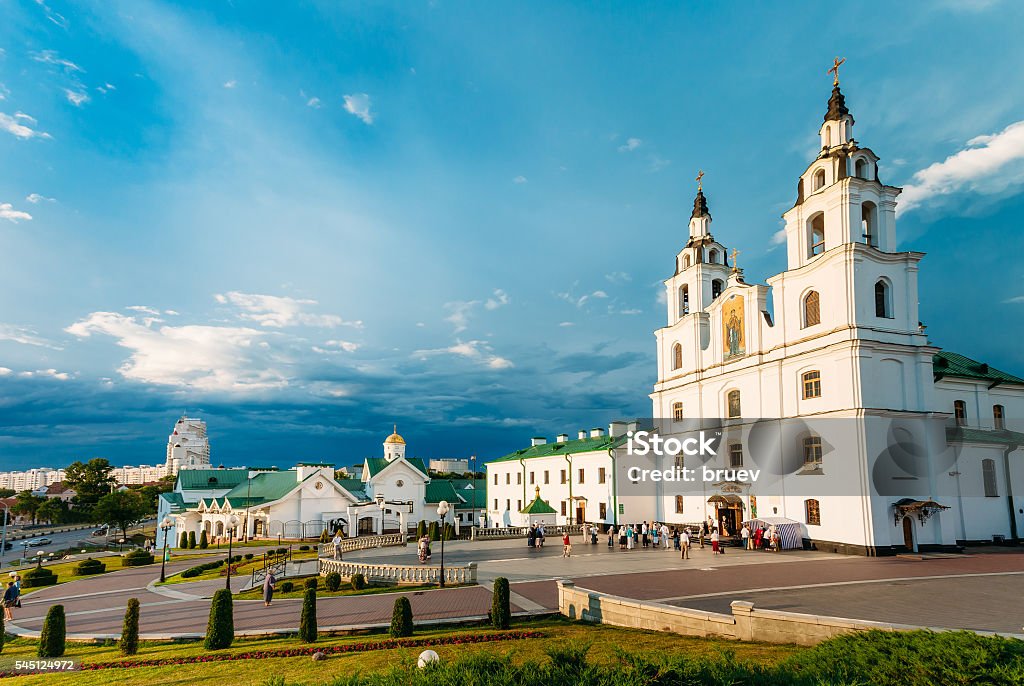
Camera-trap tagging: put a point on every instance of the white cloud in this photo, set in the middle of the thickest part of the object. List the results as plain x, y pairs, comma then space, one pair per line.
76, 98
144, 309
478, 351
1015, 299
25, 336
35, 198
519, 179
46, 373
358, 104
990, 165
106, 88
8, 212
658, 163
55, 17
583, 299
499, 299
230, 84
460, 310
5, 371
51, 57
171, 313
779, 237
313, 102
4, 92
15, 127
278, 311
335, 347
631, 145
631, 311
566, 324
209, 358
500, 363
618, 277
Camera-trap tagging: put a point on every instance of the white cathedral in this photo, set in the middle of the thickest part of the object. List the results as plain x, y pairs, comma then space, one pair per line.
877, 441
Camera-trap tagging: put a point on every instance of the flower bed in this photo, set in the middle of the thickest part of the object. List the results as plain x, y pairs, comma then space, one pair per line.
363, 647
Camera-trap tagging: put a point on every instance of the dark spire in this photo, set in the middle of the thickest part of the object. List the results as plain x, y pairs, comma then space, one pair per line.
836, 106
700, 206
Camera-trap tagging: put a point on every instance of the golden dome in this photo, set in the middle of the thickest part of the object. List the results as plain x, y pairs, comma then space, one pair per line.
394, 437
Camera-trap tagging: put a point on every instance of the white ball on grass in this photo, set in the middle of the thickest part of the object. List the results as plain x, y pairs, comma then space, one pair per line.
427, 657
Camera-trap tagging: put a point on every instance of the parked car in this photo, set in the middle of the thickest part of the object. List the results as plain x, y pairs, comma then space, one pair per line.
36, 542
99, 532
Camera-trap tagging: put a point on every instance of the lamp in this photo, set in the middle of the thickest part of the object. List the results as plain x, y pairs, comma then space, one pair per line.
165, 526
380, 503
232, 523
442, 512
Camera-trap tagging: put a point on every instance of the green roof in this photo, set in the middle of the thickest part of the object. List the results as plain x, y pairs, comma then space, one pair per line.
953, 364
210, 479
176, 502
262, 488
538, 506
354, 486
579, 445
441, 489
963, 434
377, 464
476, 497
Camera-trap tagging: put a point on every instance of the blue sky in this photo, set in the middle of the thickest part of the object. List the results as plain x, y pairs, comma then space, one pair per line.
306, 221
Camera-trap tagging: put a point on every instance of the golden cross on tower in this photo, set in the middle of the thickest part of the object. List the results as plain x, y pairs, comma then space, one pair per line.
700, 175
735, 252
835, 70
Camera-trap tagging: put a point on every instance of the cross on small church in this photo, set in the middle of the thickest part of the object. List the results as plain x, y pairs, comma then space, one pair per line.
700, 175
835, 70
735, 252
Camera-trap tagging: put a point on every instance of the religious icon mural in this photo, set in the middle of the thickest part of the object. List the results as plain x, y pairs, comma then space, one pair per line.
733, 342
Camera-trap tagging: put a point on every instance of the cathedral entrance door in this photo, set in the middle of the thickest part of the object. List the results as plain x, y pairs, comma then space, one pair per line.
908, 533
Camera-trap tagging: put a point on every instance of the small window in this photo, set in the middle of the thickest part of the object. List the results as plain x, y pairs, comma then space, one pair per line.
812, 384
868, 213
495, 483
601, 475
861, 168
686, 261
812, 512
677, 412
735, 455
531, 478
812, 452
508, 478
717, 286
713, 256
812, 309
679, 504
883, 307
495, 504
817, 235
581, 476
564, 509
988, 475
519, 506
508, 504
684, 300
819, 179
519, 479
564, 479
547, 480
677, 356
602, 510
998, 420
733, 404
960, 412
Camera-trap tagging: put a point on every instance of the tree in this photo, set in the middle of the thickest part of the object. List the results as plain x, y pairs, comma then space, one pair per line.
7, 492
220, 630
130, 629
307, 620
51, 639
183, 542
501, 612
204, 542
149, 495
401, 618
53, 510
28, 505
191, 539
90, 481
120, 508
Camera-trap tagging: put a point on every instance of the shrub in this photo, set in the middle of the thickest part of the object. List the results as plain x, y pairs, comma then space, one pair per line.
191, 539
89, 566
51, 639
501, 612
311, 582
358, 582
281, 551
421, 529
248, 556
130, 630
401, 618
432, 532
38, 576
204, 541
287, 587
137, 558
220, 630
303, 548
332, 581
307, 620
183, 541
324, 537
236, 558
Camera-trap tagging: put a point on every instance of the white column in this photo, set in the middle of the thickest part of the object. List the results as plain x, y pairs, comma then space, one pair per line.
353, 522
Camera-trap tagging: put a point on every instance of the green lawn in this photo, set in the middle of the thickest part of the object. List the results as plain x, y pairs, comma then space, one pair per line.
245, 569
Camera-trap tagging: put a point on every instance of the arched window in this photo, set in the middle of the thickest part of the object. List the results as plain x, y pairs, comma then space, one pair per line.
883, 299
988, 476
811, 382
868, 221
677, 356
716, 288
819, 179
828, 136
861, 168
960, 412
817, 235
677, 412
812, 512
679, 504
998, 417
686, 261
713, 256
684, 300
733, 404
812, 309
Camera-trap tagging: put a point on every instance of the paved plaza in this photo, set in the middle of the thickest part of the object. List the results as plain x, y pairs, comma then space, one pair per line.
976, 590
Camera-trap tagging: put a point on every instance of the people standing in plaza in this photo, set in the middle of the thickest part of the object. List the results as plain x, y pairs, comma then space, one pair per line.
10, 600
702, 533
664, 536
774, 540
531, 537
645, 534
654, 535
566, 545
337, 545
756, 538
593, 534
684, 544
745, 536
268, 588
622, 537
630, 537
540, 535
714, 541
611, 536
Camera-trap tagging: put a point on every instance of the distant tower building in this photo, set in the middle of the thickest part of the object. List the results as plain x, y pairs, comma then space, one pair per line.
187, 446
394, 446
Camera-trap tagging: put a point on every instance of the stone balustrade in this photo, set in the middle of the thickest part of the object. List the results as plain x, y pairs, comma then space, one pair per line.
400, 574
362, 543
480, 533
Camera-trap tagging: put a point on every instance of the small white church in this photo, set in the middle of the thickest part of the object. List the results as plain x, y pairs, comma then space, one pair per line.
392, 493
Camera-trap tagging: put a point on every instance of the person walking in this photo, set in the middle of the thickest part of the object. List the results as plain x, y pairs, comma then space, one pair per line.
714, 541
745, 536
701, 533
654, 535
664, 536
684, 544
593, 534
337, 545
10, 600
630, 537
269, 586
566, 545
540, 536
645, 534
611, 536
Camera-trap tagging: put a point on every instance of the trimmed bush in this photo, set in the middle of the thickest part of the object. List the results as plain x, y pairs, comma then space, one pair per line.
311, 582
287, 587
303, 548
220, 630
432, 532
130, 630
307, 620
51, 639
38, 576
332, 581
191, 539
501, 612
401, 618
204, 541
183, 540
137, 558
324, 536
358, 582
281, 551
248, 556
89, 566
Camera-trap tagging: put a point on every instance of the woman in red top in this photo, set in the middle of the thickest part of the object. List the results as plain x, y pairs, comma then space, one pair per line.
566, 545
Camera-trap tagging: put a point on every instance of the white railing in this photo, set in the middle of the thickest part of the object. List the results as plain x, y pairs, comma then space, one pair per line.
400, 574
522, 531
362, 543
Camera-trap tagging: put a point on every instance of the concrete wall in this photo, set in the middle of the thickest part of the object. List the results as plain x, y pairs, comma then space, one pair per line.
746, 623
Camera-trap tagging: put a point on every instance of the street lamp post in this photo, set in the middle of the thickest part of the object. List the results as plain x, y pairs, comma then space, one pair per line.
380, 503
3, 542
120, 545
232, 521
472, 516
442, 512
165, 526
